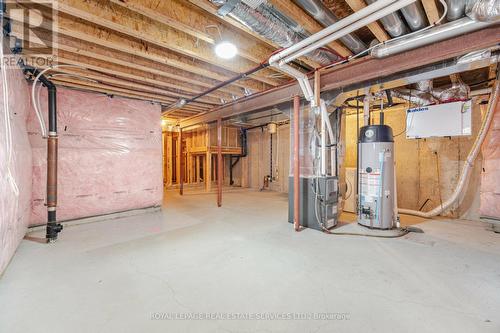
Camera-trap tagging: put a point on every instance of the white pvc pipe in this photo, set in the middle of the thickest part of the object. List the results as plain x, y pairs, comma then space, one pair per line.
329, 128
366, 108
331, 29
348, 29
468, 164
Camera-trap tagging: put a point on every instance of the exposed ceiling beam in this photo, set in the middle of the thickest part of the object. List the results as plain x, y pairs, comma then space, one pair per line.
180, 68
296, 13
374, 27
102, 78
185, 17
358, 71
133, 24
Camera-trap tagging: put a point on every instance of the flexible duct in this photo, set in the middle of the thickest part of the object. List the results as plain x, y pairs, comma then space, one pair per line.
323, 15
274, 26
429, 36
483, 10
393, 23
468, 164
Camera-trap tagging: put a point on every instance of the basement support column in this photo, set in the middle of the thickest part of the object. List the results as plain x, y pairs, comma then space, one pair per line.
219, 162
181, 167
296, 163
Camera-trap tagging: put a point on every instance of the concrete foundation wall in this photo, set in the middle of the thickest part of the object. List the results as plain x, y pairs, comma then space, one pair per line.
257, 165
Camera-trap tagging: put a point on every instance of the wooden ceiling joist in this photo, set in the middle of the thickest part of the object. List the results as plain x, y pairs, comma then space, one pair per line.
99, 77
142, 28
431, 10
180, 68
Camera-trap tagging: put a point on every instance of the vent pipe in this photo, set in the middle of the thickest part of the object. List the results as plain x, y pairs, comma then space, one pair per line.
323, 15
53, 228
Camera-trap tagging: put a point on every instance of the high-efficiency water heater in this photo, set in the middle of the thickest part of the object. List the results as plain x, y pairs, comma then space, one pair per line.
376, 207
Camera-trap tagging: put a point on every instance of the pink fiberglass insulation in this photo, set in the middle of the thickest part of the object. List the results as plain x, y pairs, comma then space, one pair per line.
15, 171
490, 181
110, 156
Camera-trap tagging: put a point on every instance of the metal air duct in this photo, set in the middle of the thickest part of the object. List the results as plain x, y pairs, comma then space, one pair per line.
265, 20
323, 15
456, 9
393, 23
415, 16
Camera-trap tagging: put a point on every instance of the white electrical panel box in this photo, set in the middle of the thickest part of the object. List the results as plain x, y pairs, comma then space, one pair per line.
449, 119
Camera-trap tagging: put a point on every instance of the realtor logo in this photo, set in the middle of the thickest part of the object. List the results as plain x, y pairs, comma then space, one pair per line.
28, 29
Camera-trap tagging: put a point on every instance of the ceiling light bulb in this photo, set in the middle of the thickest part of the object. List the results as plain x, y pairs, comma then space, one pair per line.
226, 50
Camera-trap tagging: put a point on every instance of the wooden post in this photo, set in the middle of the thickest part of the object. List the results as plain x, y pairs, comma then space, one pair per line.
208, 170
197, 166
219, 162
181, 167
296, 163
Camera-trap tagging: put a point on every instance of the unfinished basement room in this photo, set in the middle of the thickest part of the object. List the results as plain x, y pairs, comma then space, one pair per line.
250, 166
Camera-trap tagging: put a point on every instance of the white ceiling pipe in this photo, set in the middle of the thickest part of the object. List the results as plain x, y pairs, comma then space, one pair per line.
331, 29
350, 28
429, 36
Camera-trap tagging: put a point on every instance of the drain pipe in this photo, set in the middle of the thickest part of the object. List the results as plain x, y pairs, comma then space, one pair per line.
53, 228
238, 157
468, 164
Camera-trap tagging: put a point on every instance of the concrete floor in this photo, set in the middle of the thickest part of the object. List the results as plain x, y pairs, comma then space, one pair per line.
115, 276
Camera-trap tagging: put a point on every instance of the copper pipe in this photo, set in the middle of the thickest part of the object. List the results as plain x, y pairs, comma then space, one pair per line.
181, 168
219, 162
296, 163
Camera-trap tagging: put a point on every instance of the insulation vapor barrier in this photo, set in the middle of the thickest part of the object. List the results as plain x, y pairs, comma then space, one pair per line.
109, 156
15, 171
490, 178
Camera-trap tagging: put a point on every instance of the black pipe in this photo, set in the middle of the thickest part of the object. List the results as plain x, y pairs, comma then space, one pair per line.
271, 158
53, 228
227, 82
243, 137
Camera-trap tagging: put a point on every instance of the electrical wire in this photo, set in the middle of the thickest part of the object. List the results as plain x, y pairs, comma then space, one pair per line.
35, 97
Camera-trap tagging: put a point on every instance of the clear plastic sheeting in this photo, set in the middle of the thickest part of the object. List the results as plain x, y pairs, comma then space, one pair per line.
490, 178
110, 156
15, 172
483, 10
